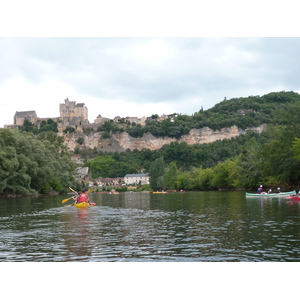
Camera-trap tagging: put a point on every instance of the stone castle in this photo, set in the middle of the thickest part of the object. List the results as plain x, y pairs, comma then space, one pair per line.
76, 116
71, 114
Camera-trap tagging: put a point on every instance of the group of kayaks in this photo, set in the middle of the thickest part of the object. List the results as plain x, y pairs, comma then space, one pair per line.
167, 192
288, 195
89, 204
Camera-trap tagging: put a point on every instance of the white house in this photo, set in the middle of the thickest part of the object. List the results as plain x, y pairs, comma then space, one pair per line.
136, 179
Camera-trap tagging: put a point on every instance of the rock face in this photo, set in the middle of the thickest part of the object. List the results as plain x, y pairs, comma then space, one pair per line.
120, 142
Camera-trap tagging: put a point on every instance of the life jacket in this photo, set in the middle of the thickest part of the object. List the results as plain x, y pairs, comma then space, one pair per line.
82, 198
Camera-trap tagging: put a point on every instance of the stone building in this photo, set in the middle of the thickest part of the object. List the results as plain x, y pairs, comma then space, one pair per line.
136, 179
73, 114
141, 121
100, 120
20, 117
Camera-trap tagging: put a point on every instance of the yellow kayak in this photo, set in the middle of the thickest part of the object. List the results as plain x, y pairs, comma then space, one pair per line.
160, 192
82, 205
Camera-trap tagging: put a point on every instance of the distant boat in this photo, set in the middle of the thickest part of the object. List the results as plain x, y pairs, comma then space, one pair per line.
283, 194
294, 198
159, 192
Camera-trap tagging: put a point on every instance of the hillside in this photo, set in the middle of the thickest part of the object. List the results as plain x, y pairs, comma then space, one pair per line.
236, 144
244, 113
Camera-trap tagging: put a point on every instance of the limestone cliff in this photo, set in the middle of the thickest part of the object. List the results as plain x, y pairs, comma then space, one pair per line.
122, 141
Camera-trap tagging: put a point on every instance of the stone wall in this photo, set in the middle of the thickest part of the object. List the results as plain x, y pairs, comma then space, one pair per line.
122, 141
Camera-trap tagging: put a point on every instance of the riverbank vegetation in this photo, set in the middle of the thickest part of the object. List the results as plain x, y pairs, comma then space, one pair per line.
37, 162
34, 165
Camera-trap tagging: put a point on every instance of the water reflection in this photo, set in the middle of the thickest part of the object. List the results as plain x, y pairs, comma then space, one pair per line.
200, 226
75, 233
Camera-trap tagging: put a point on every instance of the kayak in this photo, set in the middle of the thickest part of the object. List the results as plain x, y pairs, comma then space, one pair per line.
295, 198
160, 192
283, 194
83, 205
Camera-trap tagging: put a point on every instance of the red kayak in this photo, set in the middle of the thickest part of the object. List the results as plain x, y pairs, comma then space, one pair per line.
295, 198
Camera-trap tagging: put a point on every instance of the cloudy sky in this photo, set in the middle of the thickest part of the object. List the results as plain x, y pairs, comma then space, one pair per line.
137, 58
141, 76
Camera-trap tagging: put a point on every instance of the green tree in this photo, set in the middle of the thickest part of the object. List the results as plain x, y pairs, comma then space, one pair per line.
222, 175
69, 129
251, 162
80, 140
170, 176
156, 173
100, 166
184, 180
200, 179
29, 165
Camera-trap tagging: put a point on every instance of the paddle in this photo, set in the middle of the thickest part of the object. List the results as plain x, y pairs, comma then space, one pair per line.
66, 200
72, 190
77, 193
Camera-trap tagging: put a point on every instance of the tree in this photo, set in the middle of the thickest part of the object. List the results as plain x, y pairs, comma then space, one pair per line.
250, 163
69, 129
80, 140
221, 178
156, 173
200, 179
170, 176
100, 166
31, 165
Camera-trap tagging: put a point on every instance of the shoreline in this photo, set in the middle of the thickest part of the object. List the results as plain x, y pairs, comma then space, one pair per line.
6, 196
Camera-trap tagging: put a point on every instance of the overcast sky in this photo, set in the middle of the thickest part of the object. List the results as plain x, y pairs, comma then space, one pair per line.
141, 76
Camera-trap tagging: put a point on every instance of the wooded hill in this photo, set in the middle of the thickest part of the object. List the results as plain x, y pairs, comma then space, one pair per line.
242, 112
271, 159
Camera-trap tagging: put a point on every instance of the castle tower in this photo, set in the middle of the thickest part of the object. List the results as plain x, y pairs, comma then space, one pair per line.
72, 113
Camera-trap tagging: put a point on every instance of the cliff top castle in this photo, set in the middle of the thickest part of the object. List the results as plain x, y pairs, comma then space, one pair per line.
72, 114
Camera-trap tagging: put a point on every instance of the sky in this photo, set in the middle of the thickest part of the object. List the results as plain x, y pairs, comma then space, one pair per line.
138, 58
141, 76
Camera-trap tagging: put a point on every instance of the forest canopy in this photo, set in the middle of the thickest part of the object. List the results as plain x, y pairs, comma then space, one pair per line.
31, 165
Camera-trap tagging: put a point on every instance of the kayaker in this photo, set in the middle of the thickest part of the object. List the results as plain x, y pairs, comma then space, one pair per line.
278, 190
82, 197
260, 190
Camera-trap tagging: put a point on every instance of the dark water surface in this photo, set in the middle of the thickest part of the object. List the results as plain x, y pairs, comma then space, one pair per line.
188, 227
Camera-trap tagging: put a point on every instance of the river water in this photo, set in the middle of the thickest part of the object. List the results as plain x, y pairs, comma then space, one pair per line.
146, 227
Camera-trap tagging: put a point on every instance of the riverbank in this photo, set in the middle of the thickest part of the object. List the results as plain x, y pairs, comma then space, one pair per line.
5, 196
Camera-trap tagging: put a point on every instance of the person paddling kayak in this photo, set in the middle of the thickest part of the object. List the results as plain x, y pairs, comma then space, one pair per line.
260, 190
82, 197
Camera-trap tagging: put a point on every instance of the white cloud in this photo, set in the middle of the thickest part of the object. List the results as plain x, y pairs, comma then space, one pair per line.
141, 76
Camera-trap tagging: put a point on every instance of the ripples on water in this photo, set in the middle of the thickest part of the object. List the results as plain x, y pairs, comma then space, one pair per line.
144, 227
